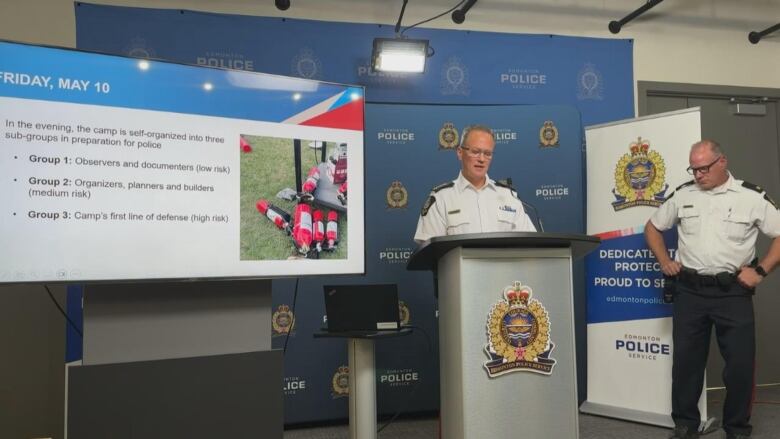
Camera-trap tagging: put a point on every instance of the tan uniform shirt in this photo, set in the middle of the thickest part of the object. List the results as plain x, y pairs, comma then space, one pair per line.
461, 208
718, 228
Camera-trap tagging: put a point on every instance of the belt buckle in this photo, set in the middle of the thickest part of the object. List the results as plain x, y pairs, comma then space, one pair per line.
708, 281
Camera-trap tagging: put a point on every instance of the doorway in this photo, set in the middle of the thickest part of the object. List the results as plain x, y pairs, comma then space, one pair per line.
746, 122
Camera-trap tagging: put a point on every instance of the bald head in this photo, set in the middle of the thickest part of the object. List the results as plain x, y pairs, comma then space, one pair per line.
711, 145
475, 129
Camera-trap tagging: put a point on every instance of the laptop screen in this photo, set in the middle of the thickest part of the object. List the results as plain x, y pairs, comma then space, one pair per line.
362, 307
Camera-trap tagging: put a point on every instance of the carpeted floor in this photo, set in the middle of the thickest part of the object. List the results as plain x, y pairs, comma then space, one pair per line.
766, 424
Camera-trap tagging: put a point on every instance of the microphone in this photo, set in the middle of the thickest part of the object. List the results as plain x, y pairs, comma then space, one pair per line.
459, 15
536, 214
282, 5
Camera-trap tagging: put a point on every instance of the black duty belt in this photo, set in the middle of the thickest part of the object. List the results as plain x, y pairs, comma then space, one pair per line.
691, 278
724, 280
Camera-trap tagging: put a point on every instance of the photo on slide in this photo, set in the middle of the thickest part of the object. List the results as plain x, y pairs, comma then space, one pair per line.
284, 219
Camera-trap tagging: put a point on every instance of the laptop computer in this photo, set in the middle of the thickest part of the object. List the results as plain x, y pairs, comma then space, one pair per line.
362, 307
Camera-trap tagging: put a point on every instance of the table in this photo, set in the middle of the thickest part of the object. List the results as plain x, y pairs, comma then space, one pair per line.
362, 377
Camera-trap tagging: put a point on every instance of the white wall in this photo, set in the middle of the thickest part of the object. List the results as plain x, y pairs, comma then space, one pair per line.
689, 41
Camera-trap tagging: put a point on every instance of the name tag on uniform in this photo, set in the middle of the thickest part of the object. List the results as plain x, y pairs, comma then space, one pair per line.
453, 212
688, 206
506, 208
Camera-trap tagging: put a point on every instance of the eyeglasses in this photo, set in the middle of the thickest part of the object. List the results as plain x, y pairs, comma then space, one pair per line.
702, 169
477, 152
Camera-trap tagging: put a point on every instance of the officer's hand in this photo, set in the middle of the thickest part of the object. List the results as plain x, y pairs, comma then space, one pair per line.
671, 268
748, 277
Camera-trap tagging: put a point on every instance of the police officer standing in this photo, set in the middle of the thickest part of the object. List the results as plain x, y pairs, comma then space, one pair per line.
472, 203
718, 219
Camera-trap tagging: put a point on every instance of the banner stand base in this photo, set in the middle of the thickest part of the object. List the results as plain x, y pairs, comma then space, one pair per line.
709, 426
609, 411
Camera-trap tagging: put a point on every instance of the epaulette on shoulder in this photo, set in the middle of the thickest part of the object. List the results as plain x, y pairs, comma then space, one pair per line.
752, 187
686, 184
502, 183
507, 185
760, 190
443, 186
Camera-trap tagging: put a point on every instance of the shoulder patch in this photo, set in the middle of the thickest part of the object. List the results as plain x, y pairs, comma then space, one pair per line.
443, 186
753, 187
428, 203
686, 184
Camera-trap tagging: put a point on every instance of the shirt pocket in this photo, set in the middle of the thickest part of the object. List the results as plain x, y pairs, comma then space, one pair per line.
737, 227
457, 223
690, 220
506, 220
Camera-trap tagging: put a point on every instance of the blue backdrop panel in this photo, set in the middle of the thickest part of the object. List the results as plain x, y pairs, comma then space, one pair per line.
594, 75
403, 151
590, 78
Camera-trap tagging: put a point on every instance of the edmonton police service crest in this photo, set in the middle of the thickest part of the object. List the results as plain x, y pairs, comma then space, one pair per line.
448, 136
138, 48
283, 320
397, 196
589, 83
404, 313
548, 135
639, 177
340, 382
455, 78
306, 64
518, 330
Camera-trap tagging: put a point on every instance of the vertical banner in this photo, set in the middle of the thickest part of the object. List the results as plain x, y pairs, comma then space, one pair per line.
632, 167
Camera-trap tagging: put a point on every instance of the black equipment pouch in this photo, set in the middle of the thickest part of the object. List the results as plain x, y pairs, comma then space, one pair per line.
670, 288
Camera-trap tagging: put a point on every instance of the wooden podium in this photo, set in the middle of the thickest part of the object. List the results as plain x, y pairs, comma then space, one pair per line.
506, 332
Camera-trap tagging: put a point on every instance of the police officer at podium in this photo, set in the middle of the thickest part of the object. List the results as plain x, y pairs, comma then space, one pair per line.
472, 203
714, 274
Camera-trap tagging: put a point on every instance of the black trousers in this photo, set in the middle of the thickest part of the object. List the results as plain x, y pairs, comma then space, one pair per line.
696, 311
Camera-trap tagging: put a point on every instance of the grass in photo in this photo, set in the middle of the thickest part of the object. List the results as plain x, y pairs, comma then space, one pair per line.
268, 167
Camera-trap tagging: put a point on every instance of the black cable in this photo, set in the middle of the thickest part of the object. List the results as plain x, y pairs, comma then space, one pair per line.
292, 326
416, 386
433, 18
62, 311
401, 17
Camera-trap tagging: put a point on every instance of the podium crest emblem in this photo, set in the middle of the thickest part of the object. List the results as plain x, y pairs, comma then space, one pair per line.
639, 177
397, 196
283, 320
448, 136
518, 331
340, 382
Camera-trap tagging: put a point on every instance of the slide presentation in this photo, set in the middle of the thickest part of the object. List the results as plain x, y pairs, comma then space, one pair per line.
117, 168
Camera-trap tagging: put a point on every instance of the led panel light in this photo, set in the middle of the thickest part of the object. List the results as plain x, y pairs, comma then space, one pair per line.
399, 55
